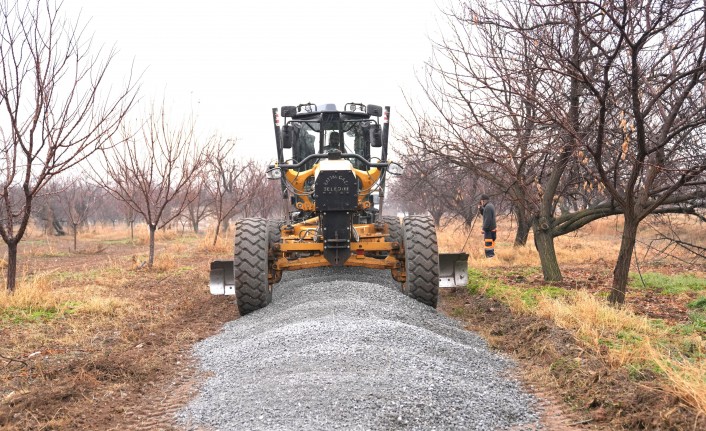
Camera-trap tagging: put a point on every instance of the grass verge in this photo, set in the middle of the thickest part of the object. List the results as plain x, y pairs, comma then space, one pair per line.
643, 346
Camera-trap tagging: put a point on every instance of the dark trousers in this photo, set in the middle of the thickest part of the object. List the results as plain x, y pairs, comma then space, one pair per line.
489, 237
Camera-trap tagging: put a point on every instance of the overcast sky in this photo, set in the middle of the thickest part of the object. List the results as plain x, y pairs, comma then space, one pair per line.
232, 61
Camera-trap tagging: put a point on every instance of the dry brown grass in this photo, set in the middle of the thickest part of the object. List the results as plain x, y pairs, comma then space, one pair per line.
165, 262
596, 324
108, 232
598, 242
37, 292
51, 295
627, 339
224, 243
687, 378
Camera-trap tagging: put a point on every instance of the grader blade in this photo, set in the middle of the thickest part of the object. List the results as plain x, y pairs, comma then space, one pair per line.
453, 269
222, 279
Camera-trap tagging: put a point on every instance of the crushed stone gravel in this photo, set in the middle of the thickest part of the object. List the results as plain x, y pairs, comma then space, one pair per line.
342, 348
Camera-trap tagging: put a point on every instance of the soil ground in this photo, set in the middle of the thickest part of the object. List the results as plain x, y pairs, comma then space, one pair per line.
126, 363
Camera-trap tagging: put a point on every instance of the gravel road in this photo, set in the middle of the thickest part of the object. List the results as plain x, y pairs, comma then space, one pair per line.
344, 349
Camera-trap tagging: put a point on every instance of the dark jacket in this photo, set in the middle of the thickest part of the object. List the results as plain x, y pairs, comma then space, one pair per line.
488, 211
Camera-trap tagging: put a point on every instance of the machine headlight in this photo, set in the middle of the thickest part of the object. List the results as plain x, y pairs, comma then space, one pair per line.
395, 169
274, 174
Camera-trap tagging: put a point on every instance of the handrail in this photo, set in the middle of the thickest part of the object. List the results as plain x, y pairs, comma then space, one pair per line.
336, 155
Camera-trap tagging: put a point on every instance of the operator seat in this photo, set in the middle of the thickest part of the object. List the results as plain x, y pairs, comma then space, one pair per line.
334, 142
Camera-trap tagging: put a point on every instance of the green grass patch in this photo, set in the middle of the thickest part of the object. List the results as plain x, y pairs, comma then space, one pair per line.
37, 314
476, 279
530, 296
698, 304
494, 288
629, 337
668, 284
696, 325
659, 323
643, 371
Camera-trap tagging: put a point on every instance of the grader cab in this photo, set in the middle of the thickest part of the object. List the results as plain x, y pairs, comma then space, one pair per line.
332, 166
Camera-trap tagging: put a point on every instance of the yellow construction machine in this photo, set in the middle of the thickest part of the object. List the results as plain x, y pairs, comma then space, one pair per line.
332, 166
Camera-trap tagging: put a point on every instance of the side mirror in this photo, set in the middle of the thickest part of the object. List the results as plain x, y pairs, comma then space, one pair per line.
289, 111
287, 136
375, 136
373, 110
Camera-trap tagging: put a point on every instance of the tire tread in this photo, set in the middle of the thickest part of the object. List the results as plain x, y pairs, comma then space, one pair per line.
252, 289
421, 259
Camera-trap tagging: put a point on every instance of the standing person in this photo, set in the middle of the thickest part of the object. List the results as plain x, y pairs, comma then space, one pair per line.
490, 228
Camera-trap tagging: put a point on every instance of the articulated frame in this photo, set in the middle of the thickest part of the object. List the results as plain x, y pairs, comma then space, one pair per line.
301, 248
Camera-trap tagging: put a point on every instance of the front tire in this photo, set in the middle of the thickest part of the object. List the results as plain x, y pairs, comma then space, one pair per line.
421, 259
250, 269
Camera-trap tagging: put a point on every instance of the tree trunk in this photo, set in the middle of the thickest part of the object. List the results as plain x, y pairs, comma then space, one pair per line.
153, 228
132, 231
622, 266
11, 267
75, 226
215, 236
225, 225
523, 228
544, 242
436, 215
195, 226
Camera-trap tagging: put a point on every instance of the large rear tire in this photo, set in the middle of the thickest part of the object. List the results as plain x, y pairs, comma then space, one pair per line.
250, 265
421, 259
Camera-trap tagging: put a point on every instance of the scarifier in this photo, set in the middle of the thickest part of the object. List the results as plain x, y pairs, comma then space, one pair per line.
335, 183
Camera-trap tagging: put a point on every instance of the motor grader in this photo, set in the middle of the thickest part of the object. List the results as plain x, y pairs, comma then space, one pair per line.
332, 166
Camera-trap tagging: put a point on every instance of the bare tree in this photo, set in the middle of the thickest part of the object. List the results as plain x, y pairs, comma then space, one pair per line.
199, 203
227, 181
78, 199
265, 196
57, 108
46, 211
110, 210
643, 94
493, 113
153, 171
432, 185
